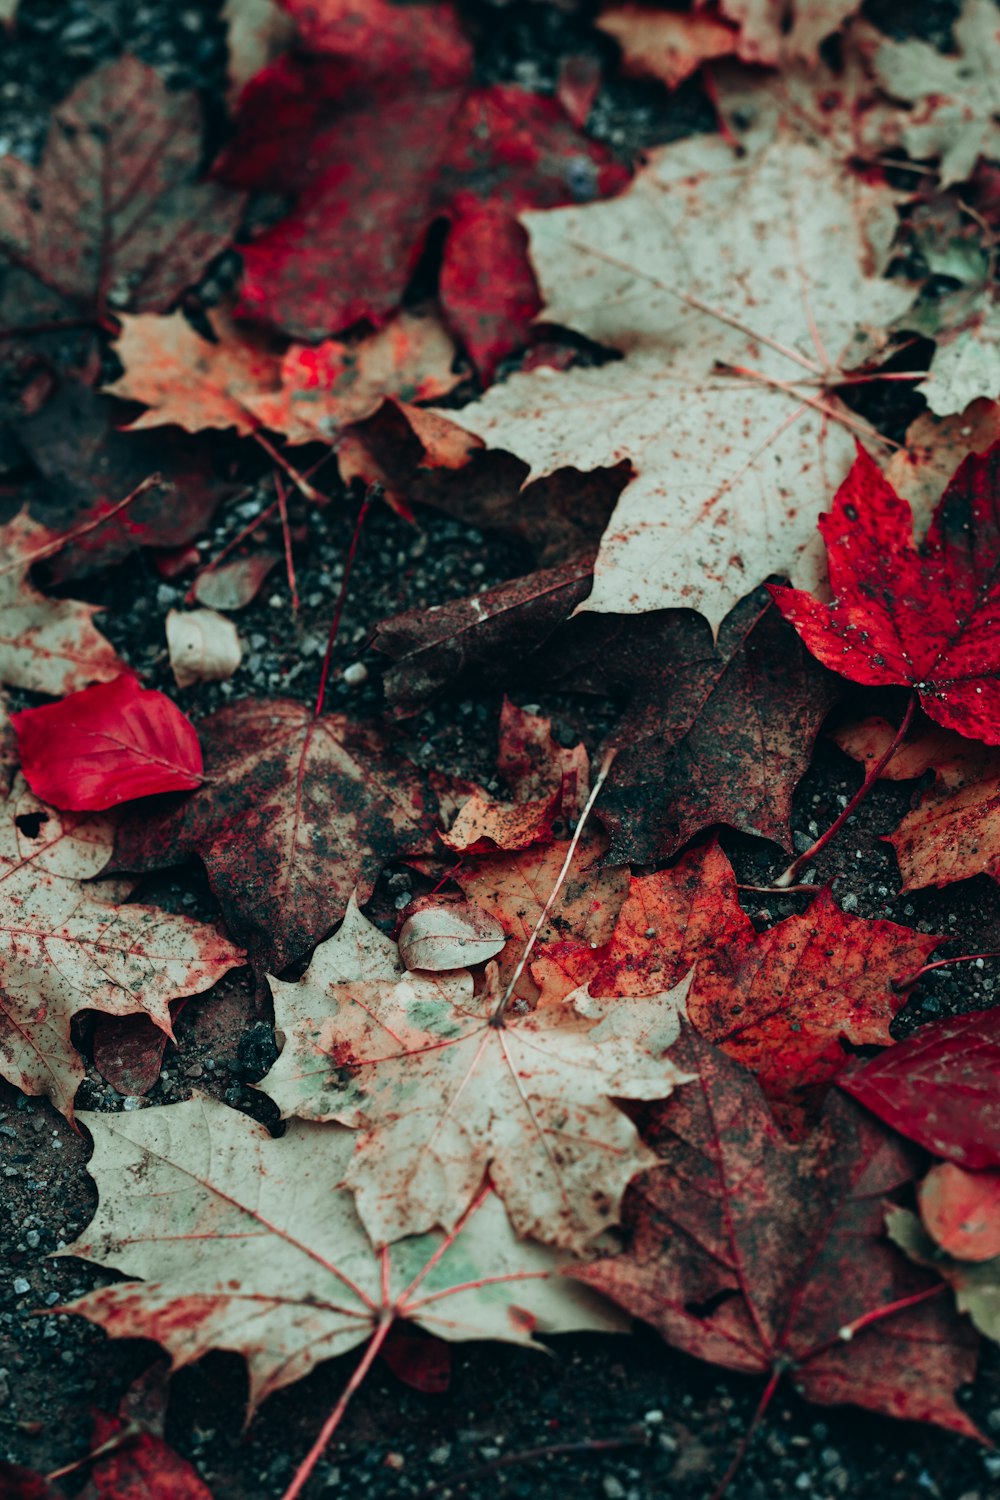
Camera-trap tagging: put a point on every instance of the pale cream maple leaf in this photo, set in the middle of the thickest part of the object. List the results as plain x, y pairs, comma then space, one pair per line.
956, 98
245, 1243
774, 31
740, 292
67, 945
444, 1086
46, 645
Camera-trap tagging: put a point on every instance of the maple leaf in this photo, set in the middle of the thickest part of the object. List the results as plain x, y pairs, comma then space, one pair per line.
667, 44
925, 618
712, 732
515, 887
772, 31
380, 132
105, 745
939, 1088
46, 645
444, 1085
782, 1002
66, 946
935, 446
245, 1244
965, 363
738, 314
954, 98
547, 780
953, 832
765, 1257
114, 210
293, 814
90, 465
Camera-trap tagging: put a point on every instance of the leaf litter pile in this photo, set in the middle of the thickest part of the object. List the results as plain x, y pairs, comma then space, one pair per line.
592, 1030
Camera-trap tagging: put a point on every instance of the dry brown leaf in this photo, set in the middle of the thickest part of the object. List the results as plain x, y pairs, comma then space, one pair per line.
668, 44
739, 291
67, 946
443, 1087
46, 645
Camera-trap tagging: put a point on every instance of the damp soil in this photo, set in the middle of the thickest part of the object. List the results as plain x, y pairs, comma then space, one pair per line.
621, 1418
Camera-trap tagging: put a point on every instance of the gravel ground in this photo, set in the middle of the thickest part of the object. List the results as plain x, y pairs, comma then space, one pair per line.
675, 1422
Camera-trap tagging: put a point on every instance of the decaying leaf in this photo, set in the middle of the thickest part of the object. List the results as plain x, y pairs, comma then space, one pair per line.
668, 44
46, 645
234, 584
67, 946
330, 805
935, 446
955, 112
976, 1283
439, 935
928, 619
953, 831
259, 30
773, 31
245, 1243
965, 364
737, 313
961, 1210
204, 646
105, 745
548, 781
115, 206
443, 1085
939, 1088
783, 1002
765, 1257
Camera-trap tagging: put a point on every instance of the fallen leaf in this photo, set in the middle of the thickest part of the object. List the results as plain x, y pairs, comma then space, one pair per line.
437, 648
964, 367
772, 31
548, 781
935, 446
325, 387
376, 127
939, 1088
128, 1052
961, 1211
953, 831
393, 445
783, 1002
439, 935
738, 314
67, 945
89, 465
144, 1467
46, 645
204, 646
976, 1284
443, 1085
258, 31
712, 732
105, 745
115, 209
221, 1221
234, 585
669, 45
954, 97
515, 887
191, 382
764, 1257
293, 814
902, 616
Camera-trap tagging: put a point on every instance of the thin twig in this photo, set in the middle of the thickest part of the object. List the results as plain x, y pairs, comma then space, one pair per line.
286, 537
637, 1438
58, 543
299, 480
342, 596
901, 985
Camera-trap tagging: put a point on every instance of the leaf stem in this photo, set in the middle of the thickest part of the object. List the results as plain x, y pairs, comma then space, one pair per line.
901, 985
748, 1436
497, 1017
59, 542
305, 1468
299, 480
790, 876
342, 596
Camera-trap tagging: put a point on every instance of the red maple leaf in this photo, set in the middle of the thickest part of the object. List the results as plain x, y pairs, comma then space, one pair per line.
928, 617
765, 1257
107, 744
783, 1002
940, 1088
379, 132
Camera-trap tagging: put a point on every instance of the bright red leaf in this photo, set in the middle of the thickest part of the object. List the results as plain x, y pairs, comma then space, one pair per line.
765, 1257
927, 617
107, 744
379, 132
940, 1088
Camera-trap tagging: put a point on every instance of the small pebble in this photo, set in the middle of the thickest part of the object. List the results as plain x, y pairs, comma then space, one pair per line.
21, 1286
355, 674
